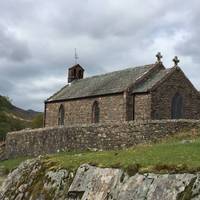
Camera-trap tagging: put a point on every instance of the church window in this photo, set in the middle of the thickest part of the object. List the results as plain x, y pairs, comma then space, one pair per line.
61, 115
177, 107
95, 112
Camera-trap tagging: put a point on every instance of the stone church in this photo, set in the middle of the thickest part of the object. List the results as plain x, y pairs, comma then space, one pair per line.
137, 93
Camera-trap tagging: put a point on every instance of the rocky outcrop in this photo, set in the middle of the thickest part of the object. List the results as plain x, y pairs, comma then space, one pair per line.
41, 179
92, 183
38, 179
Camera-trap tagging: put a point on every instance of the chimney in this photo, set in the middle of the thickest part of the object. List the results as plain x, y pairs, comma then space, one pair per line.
75, 72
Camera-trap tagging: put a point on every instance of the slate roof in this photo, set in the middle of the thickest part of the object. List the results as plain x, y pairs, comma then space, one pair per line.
152, 81
110, 83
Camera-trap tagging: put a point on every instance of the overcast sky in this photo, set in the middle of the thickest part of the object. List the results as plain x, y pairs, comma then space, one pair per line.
38, 37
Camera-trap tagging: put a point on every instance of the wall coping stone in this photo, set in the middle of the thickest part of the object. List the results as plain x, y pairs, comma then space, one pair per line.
138, 122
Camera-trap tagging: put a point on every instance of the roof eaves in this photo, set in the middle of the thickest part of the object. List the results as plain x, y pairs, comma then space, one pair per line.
83, 97
144, 92
47, 100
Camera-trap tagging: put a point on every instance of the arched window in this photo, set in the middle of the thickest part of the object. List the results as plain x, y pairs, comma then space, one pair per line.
177, 107
61, 115
95, 112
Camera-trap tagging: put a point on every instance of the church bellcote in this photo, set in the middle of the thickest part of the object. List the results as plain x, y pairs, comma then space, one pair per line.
75, 72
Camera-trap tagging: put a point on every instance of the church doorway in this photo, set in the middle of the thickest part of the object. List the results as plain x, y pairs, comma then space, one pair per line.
177, 107
61, 115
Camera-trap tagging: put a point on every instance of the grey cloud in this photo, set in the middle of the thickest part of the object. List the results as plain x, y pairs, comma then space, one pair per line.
189, 44
12, 48
5, 86
37, 40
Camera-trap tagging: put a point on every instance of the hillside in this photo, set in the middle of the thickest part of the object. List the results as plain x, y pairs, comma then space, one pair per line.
13, 118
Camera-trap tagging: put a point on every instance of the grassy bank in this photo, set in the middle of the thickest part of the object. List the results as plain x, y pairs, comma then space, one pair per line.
176, 154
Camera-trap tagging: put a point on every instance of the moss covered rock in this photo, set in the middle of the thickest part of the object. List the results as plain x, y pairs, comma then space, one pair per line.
42, 179
37, 178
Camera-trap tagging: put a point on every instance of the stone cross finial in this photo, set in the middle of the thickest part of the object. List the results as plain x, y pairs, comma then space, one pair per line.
176, 61
159, 57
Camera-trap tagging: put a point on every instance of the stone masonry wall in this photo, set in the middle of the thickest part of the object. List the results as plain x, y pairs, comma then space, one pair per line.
138, 106
105, 136
142, 107
112, 108
162, 97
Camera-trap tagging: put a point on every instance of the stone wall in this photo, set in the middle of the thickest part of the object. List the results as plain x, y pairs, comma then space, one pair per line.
100, 136
142, 106
112, 108
162, 97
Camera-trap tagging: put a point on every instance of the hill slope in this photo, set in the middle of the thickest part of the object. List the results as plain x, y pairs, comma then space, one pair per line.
13, 118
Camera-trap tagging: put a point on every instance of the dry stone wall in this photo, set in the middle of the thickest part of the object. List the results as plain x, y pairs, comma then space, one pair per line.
94, 136
142, 106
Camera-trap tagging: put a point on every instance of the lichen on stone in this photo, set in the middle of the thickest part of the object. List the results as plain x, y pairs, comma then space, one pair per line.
38, 178
42, 179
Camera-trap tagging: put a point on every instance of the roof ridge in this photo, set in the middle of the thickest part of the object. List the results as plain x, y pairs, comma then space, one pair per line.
107, 73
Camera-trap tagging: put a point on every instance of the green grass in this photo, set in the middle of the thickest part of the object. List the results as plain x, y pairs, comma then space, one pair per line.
169, 155
11, 164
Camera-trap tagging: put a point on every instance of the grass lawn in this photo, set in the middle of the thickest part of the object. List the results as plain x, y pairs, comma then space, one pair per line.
175, 154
